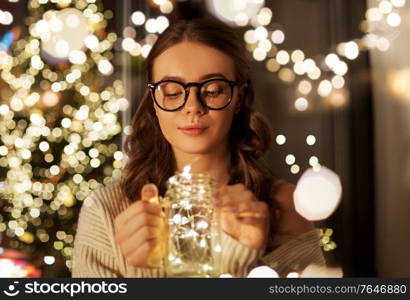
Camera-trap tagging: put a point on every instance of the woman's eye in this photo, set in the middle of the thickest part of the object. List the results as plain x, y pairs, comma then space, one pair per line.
213, 93
173, 95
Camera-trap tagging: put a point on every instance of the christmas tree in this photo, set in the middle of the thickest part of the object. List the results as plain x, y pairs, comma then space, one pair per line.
59, 125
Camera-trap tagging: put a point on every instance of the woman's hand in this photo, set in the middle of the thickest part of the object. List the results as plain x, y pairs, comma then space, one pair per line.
241, 215
140, 230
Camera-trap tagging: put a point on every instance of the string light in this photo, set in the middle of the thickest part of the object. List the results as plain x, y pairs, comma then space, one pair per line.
379, 14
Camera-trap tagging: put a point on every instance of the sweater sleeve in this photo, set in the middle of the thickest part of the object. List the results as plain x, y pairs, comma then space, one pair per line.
93, 254
237, 259
296, 254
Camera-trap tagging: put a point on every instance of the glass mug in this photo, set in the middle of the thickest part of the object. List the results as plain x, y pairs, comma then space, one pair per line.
193, 246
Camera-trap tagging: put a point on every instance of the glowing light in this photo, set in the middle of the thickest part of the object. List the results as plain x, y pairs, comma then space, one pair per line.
393, 19
138, 18
54, 170
316, 271
305, 87
385, 7
49, 260
44, 146
145, 50
310, 140
297, 56
259, 54
62, 48
4, 109
152, 25
9, 269
263, 272
301, 104
331, 60
294, 169
317, 194
77, 57
241, 19
338, 82
105, 67
162, 23
280, 139
293, 275
398, 3
315, 74
227, 10
290, 159
313, 161
383, 44
325, 88
6, 18
282, 57
65, 31
166, 7
340, 68
310, 65
272, 65
299, 68
286, 75
373, 14
91, 41
261, 33
50, 98
250, 37
351, 50
187, 172
278, 37
264, 17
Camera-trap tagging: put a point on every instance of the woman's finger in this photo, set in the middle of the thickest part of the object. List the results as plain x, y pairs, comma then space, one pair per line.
134, 210
142, 253
149, 192
144, 234
250, 209
233, 197
143, 219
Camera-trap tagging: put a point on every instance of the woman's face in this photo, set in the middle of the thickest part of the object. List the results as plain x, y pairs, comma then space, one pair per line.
195, 62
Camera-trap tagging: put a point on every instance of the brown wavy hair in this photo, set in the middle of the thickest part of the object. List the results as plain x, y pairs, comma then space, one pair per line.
150, 156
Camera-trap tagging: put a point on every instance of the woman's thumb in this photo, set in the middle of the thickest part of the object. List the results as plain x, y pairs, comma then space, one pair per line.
149, 192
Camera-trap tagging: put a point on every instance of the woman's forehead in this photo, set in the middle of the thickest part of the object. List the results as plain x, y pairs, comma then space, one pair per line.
191, 62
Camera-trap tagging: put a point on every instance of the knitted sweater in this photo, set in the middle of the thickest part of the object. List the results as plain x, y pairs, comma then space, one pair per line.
96, 254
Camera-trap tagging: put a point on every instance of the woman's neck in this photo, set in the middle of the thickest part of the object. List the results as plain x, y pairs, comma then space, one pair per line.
216, 164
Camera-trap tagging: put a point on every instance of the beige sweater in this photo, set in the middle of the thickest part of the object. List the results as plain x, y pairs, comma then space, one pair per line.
96, 253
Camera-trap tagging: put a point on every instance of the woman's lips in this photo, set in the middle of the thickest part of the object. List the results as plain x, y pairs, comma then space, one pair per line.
193, 131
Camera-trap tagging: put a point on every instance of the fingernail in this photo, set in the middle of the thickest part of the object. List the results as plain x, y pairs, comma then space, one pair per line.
215, 194
217, 202
150, 190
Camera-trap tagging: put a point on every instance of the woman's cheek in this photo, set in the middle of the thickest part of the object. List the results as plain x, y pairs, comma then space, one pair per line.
168, 129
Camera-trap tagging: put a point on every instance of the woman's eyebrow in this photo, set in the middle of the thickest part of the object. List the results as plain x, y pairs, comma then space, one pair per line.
204, 77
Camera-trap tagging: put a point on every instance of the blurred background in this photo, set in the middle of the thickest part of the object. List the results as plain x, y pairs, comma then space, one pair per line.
332, 76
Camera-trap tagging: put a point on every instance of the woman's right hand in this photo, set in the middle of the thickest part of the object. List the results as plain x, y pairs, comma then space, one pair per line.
140, 230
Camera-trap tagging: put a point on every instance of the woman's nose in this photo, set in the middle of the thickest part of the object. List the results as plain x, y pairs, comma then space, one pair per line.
193, 104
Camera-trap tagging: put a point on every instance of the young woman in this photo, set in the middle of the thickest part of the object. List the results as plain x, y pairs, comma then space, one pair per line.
197, 110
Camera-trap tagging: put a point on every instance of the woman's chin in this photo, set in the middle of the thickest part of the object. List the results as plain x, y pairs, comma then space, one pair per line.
196, 150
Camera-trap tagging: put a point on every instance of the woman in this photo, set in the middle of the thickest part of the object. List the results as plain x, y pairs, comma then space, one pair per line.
197, 110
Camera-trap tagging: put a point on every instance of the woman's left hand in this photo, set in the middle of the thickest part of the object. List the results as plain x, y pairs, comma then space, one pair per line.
241, 215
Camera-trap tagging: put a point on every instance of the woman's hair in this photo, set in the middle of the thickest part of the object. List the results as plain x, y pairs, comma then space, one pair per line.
150, 156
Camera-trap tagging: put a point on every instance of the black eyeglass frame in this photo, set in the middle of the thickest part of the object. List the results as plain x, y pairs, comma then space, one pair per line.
186, 87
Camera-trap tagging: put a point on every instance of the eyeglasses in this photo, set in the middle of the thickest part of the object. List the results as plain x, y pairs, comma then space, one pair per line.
171, 95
